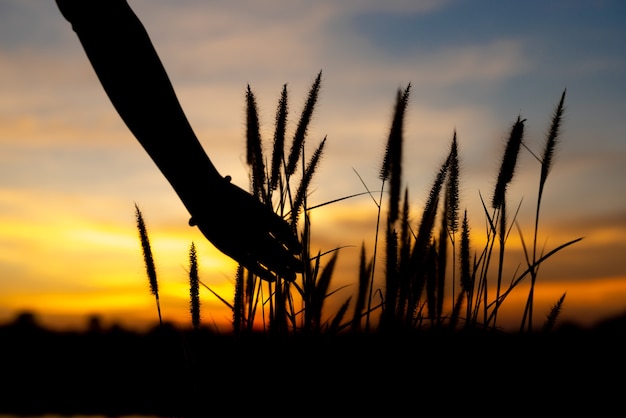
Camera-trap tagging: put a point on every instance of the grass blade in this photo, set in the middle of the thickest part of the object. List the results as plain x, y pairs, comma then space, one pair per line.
553, 315
392, 161
509, 161
301, 131
148, 259
253, 146
279, 139
194, 289
298, 202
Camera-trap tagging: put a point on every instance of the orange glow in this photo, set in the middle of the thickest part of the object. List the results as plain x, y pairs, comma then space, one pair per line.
60, 265
586, 302
64, 265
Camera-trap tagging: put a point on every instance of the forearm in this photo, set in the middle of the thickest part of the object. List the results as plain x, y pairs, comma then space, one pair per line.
133, 77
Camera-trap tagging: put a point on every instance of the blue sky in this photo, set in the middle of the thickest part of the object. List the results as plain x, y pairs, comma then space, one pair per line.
70, 171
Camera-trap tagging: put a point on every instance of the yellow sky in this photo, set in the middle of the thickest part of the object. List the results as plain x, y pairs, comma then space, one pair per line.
65, 266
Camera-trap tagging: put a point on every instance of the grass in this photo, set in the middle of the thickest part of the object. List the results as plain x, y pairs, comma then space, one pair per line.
435, 276
148, 259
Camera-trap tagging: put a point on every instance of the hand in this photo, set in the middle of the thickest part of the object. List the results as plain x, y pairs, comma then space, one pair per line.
248, 231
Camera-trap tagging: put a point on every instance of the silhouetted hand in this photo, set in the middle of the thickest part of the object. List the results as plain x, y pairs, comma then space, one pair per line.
242, 227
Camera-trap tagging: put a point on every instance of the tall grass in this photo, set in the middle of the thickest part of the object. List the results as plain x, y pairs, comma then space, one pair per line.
148, 259
416, 265
435, 276
285, 305
391, 170
194, 287
498, 202
551, 143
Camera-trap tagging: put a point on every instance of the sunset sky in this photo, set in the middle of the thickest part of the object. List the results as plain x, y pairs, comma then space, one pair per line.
71, 172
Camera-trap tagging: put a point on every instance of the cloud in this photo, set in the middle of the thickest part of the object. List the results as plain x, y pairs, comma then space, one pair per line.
53, 99
30, 68
491, 62
245, 39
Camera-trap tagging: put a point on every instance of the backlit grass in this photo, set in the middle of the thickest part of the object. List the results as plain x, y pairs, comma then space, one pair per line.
435, 277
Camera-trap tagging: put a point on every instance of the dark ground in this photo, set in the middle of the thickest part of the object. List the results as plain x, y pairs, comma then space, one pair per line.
171, 372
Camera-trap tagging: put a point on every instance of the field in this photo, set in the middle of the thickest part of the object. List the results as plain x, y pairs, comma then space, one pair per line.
174, 372
287, 356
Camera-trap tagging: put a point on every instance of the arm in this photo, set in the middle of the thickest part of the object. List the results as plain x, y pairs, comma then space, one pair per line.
137, 84
135, 80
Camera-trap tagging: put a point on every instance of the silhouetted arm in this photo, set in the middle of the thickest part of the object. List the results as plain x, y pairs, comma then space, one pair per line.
137, 84
133, 77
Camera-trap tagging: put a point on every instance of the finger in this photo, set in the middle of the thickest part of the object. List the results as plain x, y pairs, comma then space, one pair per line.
266, 219
261, 251
258, 270
282, 232
275, 257
241, 253
266, 269
257, 251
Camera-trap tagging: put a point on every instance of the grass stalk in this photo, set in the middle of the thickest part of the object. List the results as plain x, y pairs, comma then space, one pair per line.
452, 207
301, 131
254, 148
554, 314
505, 176
365, 270
414, 259
148, 259
391, 171
194, 288
418, 274
238, 302
552, 140
467, 274
280, 127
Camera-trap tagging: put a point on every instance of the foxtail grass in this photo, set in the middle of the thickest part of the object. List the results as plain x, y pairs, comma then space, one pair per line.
301, 194
275, 305
553, 314
365, 272
194, 288
505, 176
238, 308
419, 271
391, 170
418, 275
148, 259
466, 275
416, 264
303, 126
552, 140
278, 152
447, 232
509, 163
254, 156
